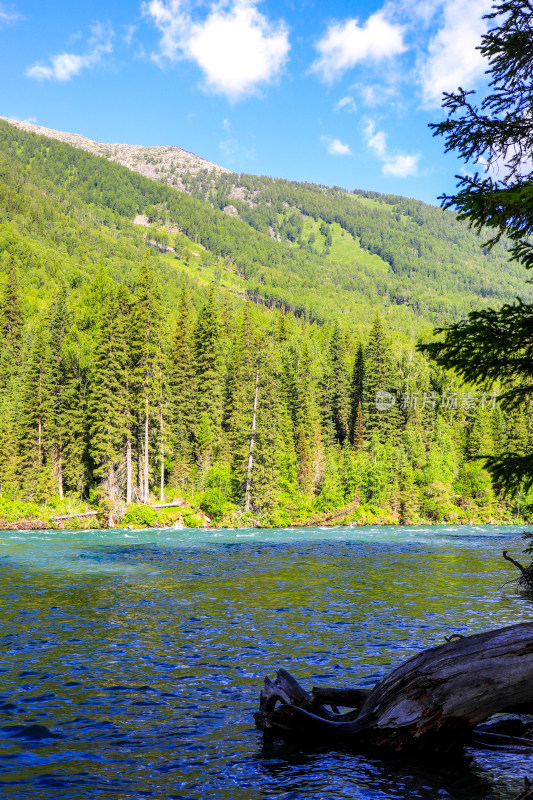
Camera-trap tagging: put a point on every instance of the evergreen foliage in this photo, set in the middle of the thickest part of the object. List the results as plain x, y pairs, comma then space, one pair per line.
130, 374
494, 347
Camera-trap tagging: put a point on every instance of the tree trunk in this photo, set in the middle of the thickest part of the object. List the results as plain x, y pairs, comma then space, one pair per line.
59, 474
429, 703
252, 444
146, 431
128, 469
162, 477
140, 462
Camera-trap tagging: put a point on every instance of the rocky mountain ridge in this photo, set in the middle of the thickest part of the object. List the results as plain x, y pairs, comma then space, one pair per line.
165, 163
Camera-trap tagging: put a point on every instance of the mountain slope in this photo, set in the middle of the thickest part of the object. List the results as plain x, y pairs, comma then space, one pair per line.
130, 365
321, 252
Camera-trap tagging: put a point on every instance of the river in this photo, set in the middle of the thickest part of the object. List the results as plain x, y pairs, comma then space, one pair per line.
133, 660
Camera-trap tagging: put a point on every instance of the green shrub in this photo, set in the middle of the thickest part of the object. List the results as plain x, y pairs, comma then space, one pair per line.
190, 520
140, 515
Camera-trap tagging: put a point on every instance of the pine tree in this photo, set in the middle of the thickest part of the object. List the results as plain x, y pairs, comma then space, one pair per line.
409, 504
10, 421
282, 333
379, 377
108, 400
356, 394
494, 345
307, 435
240, 399
34, 411
76, 470
182, 392
126, 308
209, 365
480, 441
148, 362
11, 322
359, 430
266, 470
182, 375
56, 379
335, 393
304, 456
204, 444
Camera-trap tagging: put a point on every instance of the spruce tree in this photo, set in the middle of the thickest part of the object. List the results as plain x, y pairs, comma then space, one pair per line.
308, 440
358, 430
11, 322
409, 502
240, 399
494, 346
182, 391
204, 444
108, 400
356, 394
207, 347
182, 375
56, 382
335, 392
268, 445
147, 324
480, 440
76, 469
126, 308
379, 377
10, 431
34, 411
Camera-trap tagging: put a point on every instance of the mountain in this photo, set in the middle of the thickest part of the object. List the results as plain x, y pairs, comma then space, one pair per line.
163, 163
226, 344
321, 252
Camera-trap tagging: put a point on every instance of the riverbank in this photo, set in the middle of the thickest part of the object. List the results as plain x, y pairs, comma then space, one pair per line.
75, 515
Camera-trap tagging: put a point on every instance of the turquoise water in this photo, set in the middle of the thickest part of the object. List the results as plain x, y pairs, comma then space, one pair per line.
133, 660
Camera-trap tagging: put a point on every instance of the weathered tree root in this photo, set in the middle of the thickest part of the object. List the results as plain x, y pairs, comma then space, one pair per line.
431, 702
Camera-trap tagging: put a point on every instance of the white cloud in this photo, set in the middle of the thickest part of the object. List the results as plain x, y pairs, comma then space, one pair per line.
398, 165
452, 58
31, 120
129, 31
229, 146
65, 66
418, 12
8, 16
346, 43
234, 152
375, 94
401, 165
335, 147
236, 47
346, 102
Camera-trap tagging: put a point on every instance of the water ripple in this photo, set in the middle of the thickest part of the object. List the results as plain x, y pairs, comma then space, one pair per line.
132, 666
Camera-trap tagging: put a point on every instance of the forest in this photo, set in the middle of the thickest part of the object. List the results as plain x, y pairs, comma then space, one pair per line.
260, 365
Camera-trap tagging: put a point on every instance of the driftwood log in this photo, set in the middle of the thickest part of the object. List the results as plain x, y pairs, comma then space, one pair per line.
431, 703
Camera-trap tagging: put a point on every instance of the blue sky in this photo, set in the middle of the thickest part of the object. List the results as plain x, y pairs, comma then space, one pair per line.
335, 93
